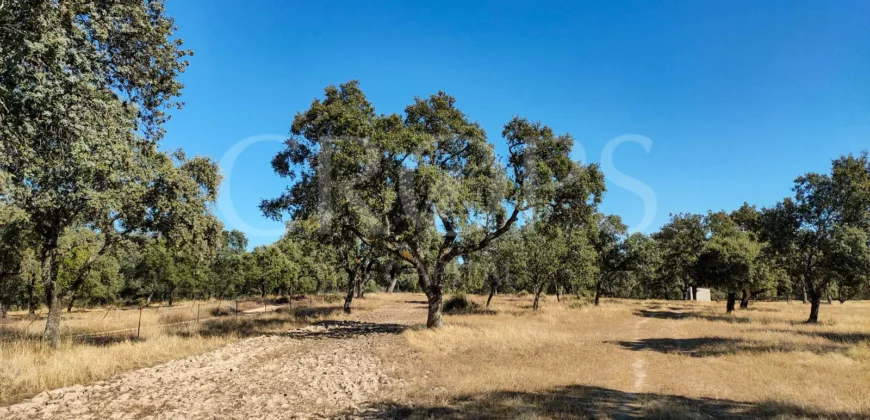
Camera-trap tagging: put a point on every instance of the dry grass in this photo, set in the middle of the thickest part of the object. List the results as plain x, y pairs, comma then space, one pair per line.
27, 368
656, 359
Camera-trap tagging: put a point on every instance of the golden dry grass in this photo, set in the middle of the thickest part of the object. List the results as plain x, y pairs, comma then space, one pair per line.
656, 359
27, 368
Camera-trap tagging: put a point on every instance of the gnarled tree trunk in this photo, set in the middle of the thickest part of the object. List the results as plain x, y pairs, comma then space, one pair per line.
744, 300
351, 283
49, 280
434, 296
492, 290
538, 291
732, 298
815, 303
394, 278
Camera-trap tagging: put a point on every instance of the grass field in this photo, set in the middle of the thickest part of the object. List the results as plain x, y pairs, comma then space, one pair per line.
659, 359
649, 359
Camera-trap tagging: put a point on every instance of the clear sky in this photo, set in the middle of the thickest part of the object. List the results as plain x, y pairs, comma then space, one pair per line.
736, 97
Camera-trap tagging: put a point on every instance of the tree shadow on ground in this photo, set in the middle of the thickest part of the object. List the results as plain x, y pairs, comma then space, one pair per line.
343, 329
304, 313
242, 327
720, 346
670, 314
584, 402
837, 337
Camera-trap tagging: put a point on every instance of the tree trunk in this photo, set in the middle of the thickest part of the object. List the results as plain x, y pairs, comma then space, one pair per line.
351, 283
2, 311
805, 293
597, 291
538, 291
171, 296
31, 301
432, 287
394, 278
732, 297
815, 303
744, 300
558, 293
434, 296
49, 280
492, 289
72, 301
829, 298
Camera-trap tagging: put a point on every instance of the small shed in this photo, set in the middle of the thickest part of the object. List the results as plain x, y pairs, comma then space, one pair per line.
702, 295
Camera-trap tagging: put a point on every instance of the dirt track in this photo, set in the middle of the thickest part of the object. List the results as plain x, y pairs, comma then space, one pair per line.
318, 371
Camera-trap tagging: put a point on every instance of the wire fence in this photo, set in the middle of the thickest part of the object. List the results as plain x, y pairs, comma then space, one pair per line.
133, 322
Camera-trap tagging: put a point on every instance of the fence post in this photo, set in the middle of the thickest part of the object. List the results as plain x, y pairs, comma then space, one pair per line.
139, 327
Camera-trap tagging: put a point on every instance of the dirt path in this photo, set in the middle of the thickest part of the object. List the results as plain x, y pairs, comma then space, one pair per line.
314, 372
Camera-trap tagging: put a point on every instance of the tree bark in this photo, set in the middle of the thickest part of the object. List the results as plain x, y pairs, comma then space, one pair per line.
492, 289
558, 293
805, 293
538, 291
351, 283
815, 303
2, 311
694, 292
436, 304
744, 300
49, 280
72, 301
394, 278
732, 297
597, 292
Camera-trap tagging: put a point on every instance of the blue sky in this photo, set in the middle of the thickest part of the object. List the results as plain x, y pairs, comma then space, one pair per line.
737, 97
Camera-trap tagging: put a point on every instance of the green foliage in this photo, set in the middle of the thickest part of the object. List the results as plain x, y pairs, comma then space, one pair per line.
425, 187
820, 235
681, 241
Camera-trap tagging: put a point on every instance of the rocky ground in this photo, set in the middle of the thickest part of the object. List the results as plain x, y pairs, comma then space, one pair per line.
320, 371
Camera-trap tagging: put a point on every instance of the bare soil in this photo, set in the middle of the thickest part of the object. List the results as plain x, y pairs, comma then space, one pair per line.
319, 371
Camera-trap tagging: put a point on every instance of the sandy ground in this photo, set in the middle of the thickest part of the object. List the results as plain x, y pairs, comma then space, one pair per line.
318, 371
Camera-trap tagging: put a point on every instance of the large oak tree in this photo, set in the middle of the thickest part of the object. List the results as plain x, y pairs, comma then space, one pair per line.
425, 186
85, 88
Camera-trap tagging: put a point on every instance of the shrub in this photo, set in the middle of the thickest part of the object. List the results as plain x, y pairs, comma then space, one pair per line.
332, 298
221, 311
174, 317
459, 304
